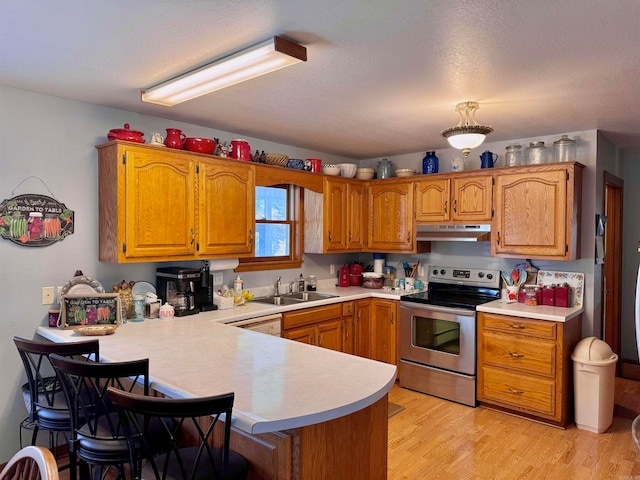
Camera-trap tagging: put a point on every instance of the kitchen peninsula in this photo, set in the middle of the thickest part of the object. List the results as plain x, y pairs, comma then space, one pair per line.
300, 411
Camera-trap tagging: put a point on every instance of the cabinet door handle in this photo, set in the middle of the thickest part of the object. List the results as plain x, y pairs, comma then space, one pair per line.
497, 238
517, 326
312, 340
193, 236
455, 206
514, 391
329, 236
250, 236
516, 355
320, 340
409, 237
392, 319
445, 206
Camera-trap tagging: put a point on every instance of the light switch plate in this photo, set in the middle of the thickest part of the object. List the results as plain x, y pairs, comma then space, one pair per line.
217, 278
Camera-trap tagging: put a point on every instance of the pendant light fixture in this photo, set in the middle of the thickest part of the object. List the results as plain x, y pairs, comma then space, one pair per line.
467, 134
265, 57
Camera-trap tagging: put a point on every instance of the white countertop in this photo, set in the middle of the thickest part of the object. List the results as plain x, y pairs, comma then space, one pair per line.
538, 312
279, 384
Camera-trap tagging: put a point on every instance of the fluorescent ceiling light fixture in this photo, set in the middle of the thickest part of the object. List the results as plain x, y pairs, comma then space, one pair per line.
467, 134
265, 57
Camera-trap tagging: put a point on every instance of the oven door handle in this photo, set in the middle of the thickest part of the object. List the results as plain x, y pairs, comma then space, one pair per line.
437, 308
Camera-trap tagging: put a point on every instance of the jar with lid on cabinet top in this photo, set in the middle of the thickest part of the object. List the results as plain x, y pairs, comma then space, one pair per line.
564, 150
536, 153
513, 156
384, 168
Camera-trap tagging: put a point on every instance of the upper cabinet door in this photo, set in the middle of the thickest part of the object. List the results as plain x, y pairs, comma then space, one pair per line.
356, 218
537, 214
335, 211
432, 200
471, 198
226, 209
391, 224
159, 212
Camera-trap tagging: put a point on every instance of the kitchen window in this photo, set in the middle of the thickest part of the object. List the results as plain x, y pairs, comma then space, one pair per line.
278, 230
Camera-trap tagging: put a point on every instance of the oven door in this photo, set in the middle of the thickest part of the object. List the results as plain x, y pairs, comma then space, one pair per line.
439, 337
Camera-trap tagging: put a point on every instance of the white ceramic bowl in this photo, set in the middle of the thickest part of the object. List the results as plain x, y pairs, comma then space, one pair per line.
365, 173
331, 170
348, 170
405, 172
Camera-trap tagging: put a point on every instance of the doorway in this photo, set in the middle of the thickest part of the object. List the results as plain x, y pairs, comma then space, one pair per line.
612, 271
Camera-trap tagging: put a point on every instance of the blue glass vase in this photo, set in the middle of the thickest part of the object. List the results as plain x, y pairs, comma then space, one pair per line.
430, 163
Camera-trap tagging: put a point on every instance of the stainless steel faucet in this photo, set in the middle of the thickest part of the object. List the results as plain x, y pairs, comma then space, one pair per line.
276, 287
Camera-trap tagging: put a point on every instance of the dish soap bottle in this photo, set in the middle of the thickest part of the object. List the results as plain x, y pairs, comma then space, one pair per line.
237, 285
301, 283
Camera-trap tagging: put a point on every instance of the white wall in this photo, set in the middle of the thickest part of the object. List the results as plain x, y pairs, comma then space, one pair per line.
54, 139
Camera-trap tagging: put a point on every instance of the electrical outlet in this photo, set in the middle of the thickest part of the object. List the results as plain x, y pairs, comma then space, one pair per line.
332, 269
48, 295
217, 278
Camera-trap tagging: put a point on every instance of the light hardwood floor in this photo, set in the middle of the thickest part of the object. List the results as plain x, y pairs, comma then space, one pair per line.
437, 439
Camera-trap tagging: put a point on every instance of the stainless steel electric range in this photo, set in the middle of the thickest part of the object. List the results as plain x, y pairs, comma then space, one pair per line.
438, 332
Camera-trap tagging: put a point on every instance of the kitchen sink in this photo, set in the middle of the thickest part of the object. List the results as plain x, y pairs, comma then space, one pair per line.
293, 298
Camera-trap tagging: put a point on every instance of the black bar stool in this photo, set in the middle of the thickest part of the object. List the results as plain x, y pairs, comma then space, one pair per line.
43, 397
202, 462
97, 438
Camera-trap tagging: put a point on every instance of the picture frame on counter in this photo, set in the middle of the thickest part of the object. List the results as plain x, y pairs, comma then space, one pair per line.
89, 309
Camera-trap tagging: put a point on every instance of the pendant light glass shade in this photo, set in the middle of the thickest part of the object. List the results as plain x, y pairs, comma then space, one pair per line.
467, 134
265, 57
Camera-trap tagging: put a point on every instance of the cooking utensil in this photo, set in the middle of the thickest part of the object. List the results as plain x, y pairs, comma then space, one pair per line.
506, 278
515, 276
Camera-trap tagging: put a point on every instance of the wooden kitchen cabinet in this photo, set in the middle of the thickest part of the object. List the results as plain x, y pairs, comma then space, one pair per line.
334, 220
460, 198
321, 326
384, 324
537, 212
362, 328
524, 365
226, 209
391, 225
162, 204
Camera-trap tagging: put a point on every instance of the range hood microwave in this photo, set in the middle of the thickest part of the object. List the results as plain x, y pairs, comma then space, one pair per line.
453, 233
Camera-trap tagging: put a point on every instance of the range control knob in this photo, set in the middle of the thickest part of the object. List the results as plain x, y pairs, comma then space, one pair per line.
443, 271
490, 276
435, 271
480, 274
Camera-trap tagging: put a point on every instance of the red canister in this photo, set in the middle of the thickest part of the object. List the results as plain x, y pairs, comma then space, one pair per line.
549, 295
563, 295
316, 165
240, 149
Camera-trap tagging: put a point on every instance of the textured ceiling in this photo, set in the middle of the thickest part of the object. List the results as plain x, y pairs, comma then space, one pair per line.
382, 76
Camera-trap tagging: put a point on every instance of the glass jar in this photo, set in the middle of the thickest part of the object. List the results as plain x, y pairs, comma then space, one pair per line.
536, 153
513, 157
384, 168
430, 163
564, 150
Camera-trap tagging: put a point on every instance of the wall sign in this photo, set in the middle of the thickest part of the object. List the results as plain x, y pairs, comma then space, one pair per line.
32, 220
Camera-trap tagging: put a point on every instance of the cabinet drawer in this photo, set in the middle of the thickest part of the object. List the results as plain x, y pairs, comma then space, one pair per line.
347, 309
519, 326
311, 315
520, 353
525, 393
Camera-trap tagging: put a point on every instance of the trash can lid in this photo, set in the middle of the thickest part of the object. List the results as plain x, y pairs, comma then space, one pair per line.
593, 350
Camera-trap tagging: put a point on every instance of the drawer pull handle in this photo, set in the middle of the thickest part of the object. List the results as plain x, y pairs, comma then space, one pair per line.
517, 392
516, 355
516, 326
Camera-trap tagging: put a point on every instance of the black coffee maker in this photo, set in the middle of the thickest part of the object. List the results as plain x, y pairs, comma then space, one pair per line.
188, 290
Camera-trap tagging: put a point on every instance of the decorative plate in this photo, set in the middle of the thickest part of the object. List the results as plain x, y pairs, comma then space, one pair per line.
573, 279
95, 330
82, 284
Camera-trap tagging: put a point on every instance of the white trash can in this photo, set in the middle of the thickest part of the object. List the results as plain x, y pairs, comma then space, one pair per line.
594, 372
